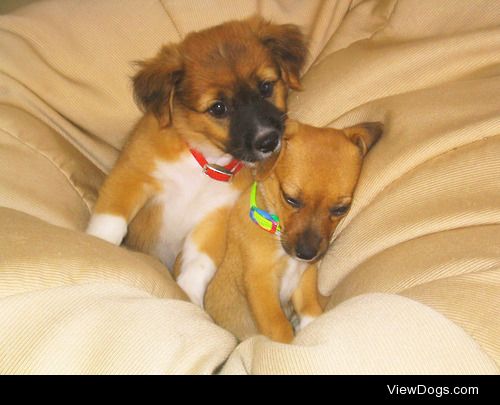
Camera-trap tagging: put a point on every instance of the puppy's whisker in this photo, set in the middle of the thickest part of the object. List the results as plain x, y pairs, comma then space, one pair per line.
284, 239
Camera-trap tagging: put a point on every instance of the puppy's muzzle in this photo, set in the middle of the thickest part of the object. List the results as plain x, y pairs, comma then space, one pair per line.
256, 127
309, 246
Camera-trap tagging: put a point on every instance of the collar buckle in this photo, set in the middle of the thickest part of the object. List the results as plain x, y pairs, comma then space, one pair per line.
217, 168
222, 173
215, 171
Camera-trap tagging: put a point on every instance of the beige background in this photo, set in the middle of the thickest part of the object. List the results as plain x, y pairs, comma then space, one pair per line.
414, 274
9, 5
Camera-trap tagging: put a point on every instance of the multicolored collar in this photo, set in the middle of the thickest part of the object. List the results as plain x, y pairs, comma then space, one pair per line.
265, 220
215, 171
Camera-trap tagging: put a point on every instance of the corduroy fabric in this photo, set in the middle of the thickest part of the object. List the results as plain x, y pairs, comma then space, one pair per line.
368, 334
86, 92
35, 255
42, 174
107, 328
422, 233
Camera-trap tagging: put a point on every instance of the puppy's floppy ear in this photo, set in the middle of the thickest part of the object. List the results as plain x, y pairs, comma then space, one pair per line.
365, 135
154, 83
287, 45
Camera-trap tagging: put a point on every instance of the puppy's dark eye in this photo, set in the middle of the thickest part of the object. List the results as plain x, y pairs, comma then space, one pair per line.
266, 88
218, 109
339, 210
295, 203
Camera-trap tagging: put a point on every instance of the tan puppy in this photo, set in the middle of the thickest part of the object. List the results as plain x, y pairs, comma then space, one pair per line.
212, 103
309, 185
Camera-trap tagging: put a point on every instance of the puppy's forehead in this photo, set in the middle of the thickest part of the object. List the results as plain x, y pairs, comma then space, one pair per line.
230, 40
331, 145
225, 54
321, 161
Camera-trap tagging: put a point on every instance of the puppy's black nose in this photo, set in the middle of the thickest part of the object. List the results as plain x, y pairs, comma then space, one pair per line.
308, 245
306, 252
268, 142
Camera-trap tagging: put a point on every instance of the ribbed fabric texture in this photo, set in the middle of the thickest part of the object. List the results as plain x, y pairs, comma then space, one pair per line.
369, 334
106, 328
35, 255
414, 271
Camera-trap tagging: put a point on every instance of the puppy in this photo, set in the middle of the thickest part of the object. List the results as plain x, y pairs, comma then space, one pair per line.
300, 196
213, 102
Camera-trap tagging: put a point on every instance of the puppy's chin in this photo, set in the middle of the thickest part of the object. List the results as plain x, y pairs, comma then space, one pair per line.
314, 260
253, 156
246, 157
258, 156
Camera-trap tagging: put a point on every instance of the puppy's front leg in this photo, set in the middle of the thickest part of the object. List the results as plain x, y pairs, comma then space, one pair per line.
123, 194
263, 297
305, 298
202, 254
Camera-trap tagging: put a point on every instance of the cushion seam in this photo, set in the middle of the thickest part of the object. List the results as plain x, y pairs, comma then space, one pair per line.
171, 19
83, 283
53, 163
322, 57
479, 345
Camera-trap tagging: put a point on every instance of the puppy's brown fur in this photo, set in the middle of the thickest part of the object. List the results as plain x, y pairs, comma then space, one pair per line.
244, 68
318, 168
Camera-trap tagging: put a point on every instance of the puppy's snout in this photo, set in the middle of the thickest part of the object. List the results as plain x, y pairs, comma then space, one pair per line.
267, 142
308, 246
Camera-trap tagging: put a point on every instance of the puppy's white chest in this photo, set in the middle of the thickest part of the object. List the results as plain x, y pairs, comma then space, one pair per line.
188, 196
290, 279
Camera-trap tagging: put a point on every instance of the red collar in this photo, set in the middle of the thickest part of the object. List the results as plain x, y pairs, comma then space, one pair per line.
215, 171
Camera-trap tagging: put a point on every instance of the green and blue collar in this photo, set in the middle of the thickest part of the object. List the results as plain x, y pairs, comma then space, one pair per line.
265, 220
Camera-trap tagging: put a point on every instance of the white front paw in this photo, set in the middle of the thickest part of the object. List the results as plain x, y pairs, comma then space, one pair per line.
196, 273
193, 287
304, 321
111, 228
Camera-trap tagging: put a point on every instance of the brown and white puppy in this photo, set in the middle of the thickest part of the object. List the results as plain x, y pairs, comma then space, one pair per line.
221, 91
309, 185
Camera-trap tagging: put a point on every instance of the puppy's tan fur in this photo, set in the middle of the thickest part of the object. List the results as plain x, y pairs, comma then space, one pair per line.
254, 285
